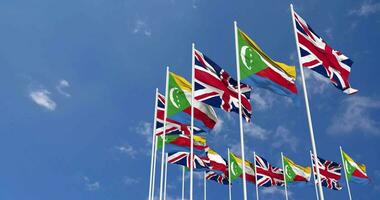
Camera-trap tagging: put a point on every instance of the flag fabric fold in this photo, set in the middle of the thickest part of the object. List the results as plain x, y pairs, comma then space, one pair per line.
220, 178
214, 86
329, 171
267, 175
318, 56
356, 172
217, 162
183, 158
263, 71
183, 143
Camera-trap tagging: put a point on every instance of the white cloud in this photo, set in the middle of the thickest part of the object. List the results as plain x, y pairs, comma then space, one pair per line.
263, 99
366, 8
219, 126
270, 191
255, 131
141, 27
127, 149
145, 129
355, 114
41, 97
61, 86
91, 186
283, 137
317, 84
130, 181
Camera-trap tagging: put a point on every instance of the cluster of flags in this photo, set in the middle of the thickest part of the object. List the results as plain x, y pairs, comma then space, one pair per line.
213, 87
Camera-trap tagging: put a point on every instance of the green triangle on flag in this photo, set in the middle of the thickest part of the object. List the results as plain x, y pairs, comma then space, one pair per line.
177, 101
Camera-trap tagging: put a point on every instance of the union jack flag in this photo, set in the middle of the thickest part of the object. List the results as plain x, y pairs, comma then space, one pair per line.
183, 158
330, 173
317, 55
215, 87
217, 177
172, 127
267, 175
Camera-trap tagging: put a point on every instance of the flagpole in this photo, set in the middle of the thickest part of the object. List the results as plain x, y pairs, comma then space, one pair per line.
229, 175
192, 122
314, 148
154, 167
257, 187
284, 174
183, 182
345, 173
166, 174
204, 186
152, 162
240, 112
164, 134
312, 169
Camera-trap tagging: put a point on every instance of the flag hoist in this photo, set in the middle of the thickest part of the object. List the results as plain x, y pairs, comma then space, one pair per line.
240, 112
310, 123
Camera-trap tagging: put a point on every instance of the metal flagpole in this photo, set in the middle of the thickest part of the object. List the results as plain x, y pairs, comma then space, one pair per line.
314, 148
164, 134
312, 169
284, 173
345, 173
254, 164
154, 167
192, 122
166, 174
229, 175
152, 161
183, 182
204, 186
240, 112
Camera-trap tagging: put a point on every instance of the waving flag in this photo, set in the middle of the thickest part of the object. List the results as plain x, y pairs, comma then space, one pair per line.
356, 172
215, 87
217, 162
263, 71
183, 158
220, 178
236, 169
183, 143
267, 175
294, 172
172, 127
179, 92
330, 173
317, 55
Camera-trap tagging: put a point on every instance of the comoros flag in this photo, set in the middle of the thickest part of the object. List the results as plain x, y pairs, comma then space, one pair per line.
218, 177
172, 127
317, 55
235, 169
214, 86
183, 143
179, 100
356, 172
295, 173
330, 173
217, 162
262, 70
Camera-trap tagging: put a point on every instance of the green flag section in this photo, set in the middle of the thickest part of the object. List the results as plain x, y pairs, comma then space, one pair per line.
355, 172
234, 168
294, 172
177, 97
263, 71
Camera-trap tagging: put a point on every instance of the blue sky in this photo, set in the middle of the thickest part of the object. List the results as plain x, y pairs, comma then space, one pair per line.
78, 80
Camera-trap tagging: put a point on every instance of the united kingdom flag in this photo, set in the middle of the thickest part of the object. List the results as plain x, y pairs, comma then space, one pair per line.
217, 177
183, 158
267, 175
317, 55
330, 173
172, 127
215, 87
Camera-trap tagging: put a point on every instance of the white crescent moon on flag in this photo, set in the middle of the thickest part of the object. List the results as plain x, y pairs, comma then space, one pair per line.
171, 97
286, 171
232, 169
242, 55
